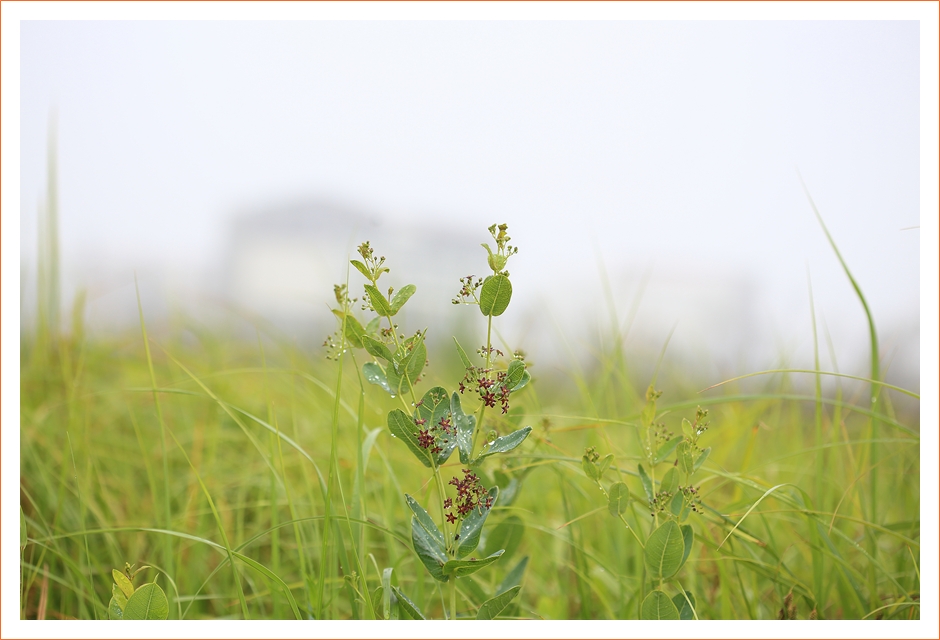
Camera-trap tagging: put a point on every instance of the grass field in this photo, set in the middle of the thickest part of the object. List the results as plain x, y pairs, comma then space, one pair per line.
120, 458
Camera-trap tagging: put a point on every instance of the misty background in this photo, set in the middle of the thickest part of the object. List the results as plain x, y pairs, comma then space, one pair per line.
648, 172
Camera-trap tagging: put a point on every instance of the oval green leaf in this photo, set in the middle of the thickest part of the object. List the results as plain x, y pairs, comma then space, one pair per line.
472, 525
701, 459
148, 603
618, 497
658, 606
428, 550
667, 448
465, 425
401, 297
458, 568
126, 586
685, 607
514, 374
664, 550
376, 348
495, 295
404, 428
363, 269
374, 375
409, 608
379, 303
115, 612
494, 606
505, 443
688, 537
463, 355
670, 481
588, 466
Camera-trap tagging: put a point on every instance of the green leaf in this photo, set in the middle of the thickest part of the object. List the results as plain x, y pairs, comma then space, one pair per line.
505, 443
426, 523
472, 525
507, 535
664, 550
668, 447
372, 328
374, 375
148, 603
514, 577
688, 537
676, 504
363, 269
405, 429
646, 482
465, 425
117, 594
687, 430
685, 611
407, 606
115, 612
435, 407
126, 586
590, 469
523, 382
406, 367
353, 328
658, 606
684, 456
458, 568
379, 301
514, 374
428, 550
604, 465
401, 297
618, 497
376, 348
670, 481
494, 606
701, 459
495, 294
463, 355
23, 536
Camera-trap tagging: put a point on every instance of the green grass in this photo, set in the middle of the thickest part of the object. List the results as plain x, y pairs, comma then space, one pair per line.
260, 481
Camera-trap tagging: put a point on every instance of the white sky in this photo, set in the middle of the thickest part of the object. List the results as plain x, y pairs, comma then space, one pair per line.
668, 147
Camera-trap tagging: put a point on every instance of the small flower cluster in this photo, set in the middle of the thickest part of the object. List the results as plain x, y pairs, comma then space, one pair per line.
468, 291
660, 502
470, 495
333, 348
428, 438
662, 434
490, 391
691, 495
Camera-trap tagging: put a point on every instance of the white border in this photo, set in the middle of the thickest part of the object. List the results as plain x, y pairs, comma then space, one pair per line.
12, 13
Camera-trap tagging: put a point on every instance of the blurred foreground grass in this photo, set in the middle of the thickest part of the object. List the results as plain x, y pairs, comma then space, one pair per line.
250, 426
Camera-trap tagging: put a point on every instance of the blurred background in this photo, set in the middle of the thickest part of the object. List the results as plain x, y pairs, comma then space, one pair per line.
648, 171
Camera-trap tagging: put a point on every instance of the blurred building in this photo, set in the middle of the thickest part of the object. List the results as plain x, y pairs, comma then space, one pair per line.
281, 262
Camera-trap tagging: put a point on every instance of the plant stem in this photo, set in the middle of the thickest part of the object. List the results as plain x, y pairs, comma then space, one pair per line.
489, 333
453, 598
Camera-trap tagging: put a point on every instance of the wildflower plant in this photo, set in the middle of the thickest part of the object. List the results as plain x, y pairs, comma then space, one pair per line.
434, 424
669, 501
